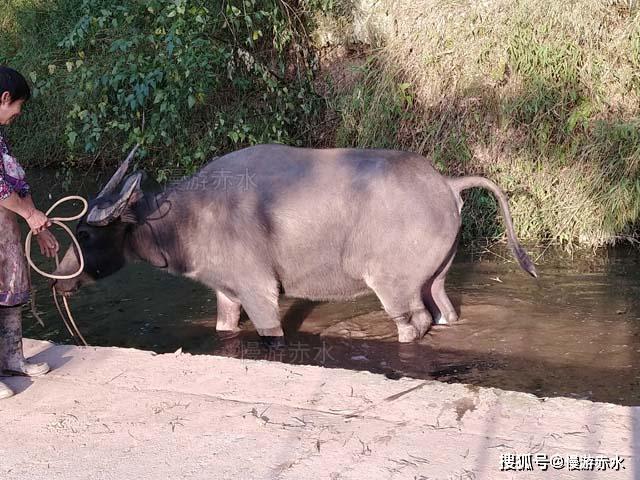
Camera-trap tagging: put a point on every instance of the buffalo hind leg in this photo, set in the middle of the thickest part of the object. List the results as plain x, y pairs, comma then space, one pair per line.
407, 311
421, 318
446, 313
228, 313
435, 297
262, 308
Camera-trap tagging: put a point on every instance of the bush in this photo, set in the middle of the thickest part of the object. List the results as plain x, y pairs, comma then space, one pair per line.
185, 79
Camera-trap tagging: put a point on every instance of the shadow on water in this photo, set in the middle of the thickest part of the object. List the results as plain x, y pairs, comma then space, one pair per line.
572, 333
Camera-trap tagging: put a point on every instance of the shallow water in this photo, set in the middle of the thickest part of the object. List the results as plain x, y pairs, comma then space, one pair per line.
574, 332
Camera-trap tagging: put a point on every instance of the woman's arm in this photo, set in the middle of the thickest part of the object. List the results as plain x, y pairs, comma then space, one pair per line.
38, 221
24, 207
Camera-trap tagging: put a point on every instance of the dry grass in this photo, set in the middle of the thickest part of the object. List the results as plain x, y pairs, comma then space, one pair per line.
543, 97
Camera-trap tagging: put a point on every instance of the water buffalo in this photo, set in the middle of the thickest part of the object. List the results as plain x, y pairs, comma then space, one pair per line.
315, 224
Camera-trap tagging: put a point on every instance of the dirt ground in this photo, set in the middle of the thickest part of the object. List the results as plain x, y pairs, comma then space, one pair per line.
111, 413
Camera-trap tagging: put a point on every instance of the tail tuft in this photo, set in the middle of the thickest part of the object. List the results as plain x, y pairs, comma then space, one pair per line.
524, 260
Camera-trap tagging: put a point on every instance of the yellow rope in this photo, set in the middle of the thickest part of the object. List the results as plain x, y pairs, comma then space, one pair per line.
27, 248
58, 221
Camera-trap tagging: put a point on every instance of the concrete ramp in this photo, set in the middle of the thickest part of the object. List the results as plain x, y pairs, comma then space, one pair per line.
112, 413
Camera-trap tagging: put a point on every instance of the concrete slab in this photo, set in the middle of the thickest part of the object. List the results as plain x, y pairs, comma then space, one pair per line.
111, 413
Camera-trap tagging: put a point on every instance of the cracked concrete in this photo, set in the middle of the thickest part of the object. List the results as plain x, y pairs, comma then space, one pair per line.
110, 413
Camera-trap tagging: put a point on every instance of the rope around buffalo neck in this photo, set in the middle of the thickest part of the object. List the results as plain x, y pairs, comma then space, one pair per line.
70, 323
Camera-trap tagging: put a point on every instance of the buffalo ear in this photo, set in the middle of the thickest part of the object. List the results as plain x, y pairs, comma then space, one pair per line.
129, 215
101, 215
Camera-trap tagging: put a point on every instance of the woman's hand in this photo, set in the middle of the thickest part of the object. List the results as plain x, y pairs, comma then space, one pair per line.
24, 207
37, 221
48, 244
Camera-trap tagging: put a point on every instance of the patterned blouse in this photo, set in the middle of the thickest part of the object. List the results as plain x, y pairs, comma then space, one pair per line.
11, 173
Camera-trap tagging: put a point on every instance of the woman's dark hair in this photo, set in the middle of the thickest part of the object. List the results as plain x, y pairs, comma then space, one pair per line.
13, 82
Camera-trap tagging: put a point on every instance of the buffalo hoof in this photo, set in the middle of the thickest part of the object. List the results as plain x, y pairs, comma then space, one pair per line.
440, 320
407, 333
446, 319
422, 323
274, 343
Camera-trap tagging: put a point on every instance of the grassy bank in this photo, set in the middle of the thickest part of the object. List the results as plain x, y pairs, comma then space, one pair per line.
541, 97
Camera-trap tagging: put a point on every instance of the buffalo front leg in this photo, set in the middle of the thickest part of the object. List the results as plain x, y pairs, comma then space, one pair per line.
262, 308
228, 313
12, 361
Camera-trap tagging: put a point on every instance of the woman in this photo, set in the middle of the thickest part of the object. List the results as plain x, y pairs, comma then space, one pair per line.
15, 200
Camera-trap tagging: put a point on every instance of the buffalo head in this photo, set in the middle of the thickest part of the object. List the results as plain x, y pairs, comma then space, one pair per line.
102, 231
